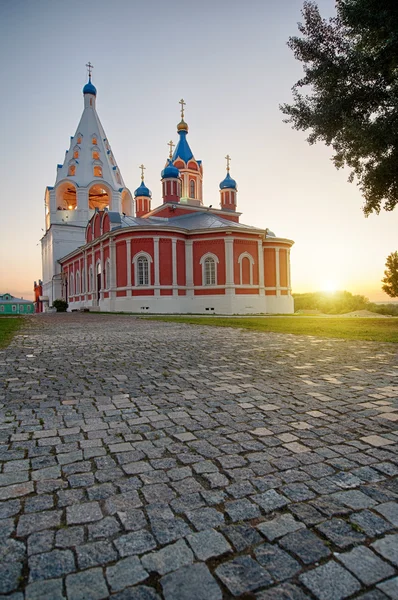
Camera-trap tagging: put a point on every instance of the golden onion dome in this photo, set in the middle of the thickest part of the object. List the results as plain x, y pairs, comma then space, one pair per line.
182, 126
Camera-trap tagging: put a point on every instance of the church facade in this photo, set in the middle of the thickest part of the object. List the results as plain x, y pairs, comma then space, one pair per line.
180, 256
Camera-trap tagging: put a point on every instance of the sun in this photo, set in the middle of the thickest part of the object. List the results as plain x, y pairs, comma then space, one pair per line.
329, 285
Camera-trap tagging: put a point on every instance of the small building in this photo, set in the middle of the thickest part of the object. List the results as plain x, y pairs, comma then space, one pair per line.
10, 305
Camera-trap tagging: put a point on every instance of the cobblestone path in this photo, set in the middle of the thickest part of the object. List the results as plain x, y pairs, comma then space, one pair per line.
146, 460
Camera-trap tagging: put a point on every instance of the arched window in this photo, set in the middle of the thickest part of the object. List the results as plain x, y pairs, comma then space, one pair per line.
94, 141
192, 189
108, 274
91, 278
97, 171
209, 269
142, 268
77, 283
79, 139
246, 264
72, 170
71, 285
76, 154
96, 155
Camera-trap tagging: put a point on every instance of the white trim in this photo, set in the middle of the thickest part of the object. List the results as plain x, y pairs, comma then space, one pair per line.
251, 260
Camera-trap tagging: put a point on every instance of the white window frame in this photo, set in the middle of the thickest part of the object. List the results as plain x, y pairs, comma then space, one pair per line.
240, 260
205, 260
14, 308
77, 283
71, 284
136, 258
91, 278
107, 274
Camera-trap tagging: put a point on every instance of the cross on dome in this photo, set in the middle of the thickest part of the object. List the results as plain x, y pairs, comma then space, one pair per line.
228, 159
171, 145
90, 67
182, 107
142, 171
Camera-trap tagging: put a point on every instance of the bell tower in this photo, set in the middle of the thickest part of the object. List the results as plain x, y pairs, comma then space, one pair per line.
87, 179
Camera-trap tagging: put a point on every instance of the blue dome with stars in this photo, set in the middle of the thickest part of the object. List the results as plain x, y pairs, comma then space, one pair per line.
228, 183
142, 191
170, 171
89, 88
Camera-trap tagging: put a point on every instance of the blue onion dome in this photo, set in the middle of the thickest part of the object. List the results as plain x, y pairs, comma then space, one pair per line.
170, 171
142, 191
228, 183
89, 88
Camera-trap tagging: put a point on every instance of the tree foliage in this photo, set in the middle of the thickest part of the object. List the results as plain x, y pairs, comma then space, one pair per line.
330, 303
60, 304
348, 97
390, 279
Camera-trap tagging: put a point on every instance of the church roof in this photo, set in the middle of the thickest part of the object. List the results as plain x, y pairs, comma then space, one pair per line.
189, 222
89, 148
183, 150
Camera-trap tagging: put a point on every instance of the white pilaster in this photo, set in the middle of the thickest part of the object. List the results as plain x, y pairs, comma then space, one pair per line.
156, 265
128, 261
102, 272
229, 266
85, 276
112, 274
174, 264
261, 267
277, 272
189, 267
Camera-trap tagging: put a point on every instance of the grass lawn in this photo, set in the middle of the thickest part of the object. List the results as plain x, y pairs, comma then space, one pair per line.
8, 328
349, 328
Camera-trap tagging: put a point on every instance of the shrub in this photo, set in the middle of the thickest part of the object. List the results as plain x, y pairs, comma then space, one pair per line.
60, 305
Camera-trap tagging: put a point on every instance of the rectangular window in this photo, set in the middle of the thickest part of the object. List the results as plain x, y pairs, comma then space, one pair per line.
143, 271
210, 272
1, 308
14, 308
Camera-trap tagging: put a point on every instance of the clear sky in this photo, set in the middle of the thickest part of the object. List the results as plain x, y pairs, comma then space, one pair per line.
228, 59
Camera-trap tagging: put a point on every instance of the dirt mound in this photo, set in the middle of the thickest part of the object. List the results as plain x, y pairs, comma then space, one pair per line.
364, 313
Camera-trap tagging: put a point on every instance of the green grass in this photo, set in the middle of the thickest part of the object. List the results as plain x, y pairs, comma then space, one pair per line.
8, 328
374, 330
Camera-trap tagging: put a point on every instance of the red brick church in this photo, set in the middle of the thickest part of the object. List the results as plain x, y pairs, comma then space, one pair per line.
180, 256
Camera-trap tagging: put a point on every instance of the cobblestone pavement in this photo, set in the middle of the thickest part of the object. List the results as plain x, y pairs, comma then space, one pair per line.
146, 460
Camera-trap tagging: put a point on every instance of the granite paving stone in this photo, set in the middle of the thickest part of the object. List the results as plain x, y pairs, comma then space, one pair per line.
330, 582
124, 573
193, 582
366, 565
148, 460
87, 585
243, 575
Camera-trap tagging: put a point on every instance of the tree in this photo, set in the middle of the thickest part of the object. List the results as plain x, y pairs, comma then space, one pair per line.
390, 279
350, 85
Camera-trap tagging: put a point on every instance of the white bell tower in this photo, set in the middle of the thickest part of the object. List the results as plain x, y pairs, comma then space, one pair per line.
89, 178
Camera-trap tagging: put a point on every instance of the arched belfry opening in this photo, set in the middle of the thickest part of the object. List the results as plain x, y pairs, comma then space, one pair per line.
66, 196
99, 196
127, 204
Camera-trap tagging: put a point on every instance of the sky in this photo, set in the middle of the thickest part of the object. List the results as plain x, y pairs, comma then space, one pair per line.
230, 62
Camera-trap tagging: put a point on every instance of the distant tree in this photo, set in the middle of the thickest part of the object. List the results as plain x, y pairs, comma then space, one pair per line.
390, 279
350, 66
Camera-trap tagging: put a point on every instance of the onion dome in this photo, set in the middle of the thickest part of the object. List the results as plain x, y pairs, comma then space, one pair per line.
170, 171
182, 126
228, 183
89, 88
142, 191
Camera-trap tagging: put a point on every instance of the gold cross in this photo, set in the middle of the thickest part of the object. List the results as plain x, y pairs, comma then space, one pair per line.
90, 67
170, 144
182, 107
228, 159
142, 171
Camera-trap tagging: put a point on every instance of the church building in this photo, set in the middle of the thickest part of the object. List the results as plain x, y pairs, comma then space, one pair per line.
106, 250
